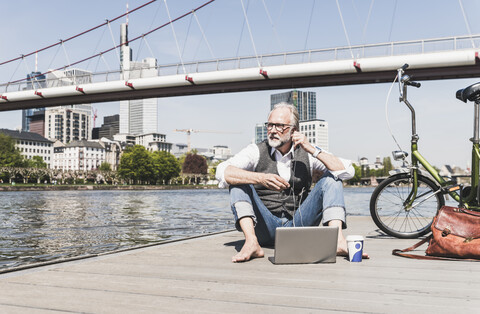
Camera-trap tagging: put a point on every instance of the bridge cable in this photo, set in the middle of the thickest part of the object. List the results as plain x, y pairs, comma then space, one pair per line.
368, 20
27, 67
14, 72
250, 32
148, 46
466, 23
386, 115
110, 49
65, 52
344, 29
186, 35
273, 25
143, 39
309, 26
114, 43
175, 37
241, 32
393, 19
75, 36
197, 48
105, 61
203, 35
96, 48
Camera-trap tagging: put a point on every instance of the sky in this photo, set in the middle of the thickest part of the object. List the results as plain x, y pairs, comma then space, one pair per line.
355, 113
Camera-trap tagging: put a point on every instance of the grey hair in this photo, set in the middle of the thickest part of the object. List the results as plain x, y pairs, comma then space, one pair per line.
294, 118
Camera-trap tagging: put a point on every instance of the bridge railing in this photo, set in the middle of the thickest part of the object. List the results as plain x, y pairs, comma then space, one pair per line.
285, 58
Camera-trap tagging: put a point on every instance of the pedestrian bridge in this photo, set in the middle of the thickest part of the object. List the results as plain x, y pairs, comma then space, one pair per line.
443, 58
429, 59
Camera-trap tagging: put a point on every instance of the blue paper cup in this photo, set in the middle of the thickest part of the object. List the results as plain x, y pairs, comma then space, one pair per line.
355, 248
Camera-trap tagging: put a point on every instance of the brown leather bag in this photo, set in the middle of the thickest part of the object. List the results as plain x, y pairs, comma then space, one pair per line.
455, 235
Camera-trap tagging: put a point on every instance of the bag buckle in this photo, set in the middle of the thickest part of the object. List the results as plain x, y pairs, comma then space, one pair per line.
446, 231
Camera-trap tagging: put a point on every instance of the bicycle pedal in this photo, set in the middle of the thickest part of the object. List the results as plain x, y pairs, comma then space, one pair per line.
452, 188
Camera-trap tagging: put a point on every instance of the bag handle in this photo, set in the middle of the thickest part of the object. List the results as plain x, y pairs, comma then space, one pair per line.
402, 253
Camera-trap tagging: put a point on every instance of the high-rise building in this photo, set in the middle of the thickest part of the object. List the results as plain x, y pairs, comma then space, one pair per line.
68, 124
306, 102
260, 133
35, 80
110, 127
136, 116
71, 122
316, 131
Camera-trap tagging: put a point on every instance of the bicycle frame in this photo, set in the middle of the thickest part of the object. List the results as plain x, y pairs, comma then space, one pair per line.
470, 200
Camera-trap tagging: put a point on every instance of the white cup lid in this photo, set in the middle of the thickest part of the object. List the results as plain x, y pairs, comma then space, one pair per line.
354, 238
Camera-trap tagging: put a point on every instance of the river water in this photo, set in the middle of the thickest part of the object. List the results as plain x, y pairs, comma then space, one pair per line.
43, 226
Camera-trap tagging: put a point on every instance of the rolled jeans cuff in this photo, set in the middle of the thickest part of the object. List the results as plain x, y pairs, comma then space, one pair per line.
334, 213
243, 209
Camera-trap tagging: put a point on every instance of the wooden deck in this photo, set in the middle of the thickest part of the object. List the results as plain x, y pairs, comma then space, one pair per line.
196, 275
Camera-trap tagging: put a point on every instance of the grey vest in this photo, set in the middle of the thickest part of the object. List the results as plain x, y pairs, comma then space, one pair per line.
282, 203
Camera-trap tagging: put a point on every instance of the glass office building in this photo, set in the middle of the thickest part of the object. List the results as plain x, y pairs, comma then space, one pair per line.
35, 80
306, 102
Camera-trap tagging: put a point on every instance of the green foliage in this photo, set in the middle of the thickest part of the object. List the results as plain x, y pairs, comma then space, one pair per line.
387, 166
36, 162
105, 166
213, 168
136, 165
9, 155
166, 166
195, 164
358, 174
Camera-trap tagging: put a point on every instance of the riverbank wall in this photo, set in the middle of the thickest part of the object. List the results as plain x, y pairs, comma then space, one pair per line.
10, 188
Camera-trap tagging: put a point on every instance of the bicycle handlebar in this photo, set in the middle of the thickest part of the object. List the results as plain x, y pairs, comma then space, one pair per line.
404, 80
414, 84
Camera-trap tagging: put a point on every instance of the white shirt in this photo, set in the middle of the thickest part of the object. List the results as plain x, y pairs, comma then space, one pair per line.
248, 158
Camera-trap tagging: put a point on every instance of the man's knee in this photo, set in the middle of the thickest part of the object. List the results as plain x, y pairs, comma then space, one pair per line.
240, 193
329, 183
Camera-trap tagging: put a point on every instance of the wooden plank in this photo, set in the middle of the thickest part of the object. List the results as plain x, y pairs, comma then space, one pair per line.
197, 275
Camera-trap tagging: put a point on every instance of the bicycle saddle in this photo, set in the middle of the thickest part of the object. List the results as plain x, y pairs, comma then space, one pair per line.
471, 93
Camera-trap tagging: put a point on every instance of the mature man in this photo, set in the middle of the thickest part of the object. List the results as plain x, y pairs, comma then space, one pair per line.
270, 182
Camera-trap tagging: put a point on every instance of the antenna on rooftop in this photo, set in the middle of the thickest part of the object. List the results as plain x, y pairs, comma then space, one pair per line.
127, 13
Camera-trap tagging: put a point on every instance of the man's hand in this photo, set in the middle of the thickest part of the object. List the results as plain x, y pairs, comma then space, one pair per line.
299, 139
274, 182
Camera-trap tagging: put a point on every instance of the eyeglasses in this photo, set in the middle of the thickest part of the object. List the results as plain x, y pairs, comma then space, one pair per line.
280, 127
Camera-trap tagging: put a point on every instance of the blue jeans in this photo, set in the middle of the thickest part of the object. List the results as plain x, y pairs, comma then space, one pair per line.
324, 201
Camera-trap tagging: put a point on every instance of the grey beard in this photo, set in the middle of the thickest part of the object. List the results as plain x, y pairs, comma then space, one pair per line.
276, 143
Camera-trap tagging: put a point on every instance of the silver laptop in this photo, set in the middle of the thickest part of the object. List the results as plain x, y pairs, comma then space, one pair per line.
302, 245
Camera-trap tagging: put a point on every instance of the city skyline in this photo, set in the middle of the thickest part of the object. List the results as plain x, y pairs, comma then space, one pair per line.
356, 114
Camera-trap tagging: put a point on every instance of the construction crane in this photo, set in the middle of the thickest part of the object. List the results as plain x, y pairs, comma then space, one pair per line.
190, 131
94, 116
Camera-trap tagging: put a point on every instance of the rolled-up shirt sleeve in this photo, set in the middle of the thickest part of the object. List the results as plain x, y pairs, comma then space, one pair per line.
246, 159
344, 174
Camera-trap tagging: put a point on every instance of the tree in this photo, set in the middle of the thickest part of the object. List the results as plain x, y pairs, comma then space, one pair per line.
358, 174
9, 155
37, 162
166, 166
105, 166
213, 168
195, 164
387, 166
136, 165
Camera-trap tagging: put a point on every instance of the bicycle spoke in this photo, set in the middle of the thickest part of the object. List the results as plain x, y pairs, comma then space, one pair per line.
388, 206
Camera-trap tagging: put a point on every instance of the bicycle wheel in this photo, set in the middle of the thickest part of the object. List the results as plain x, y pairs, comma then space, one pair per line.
389, 213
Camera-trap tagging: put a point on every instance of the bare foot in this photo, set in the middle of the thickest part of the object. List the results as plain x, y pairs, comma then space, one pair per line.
250, 249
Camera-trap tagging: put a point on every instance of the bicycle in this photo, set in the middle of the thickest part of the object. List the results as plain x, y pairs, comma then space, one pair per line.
404, 204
